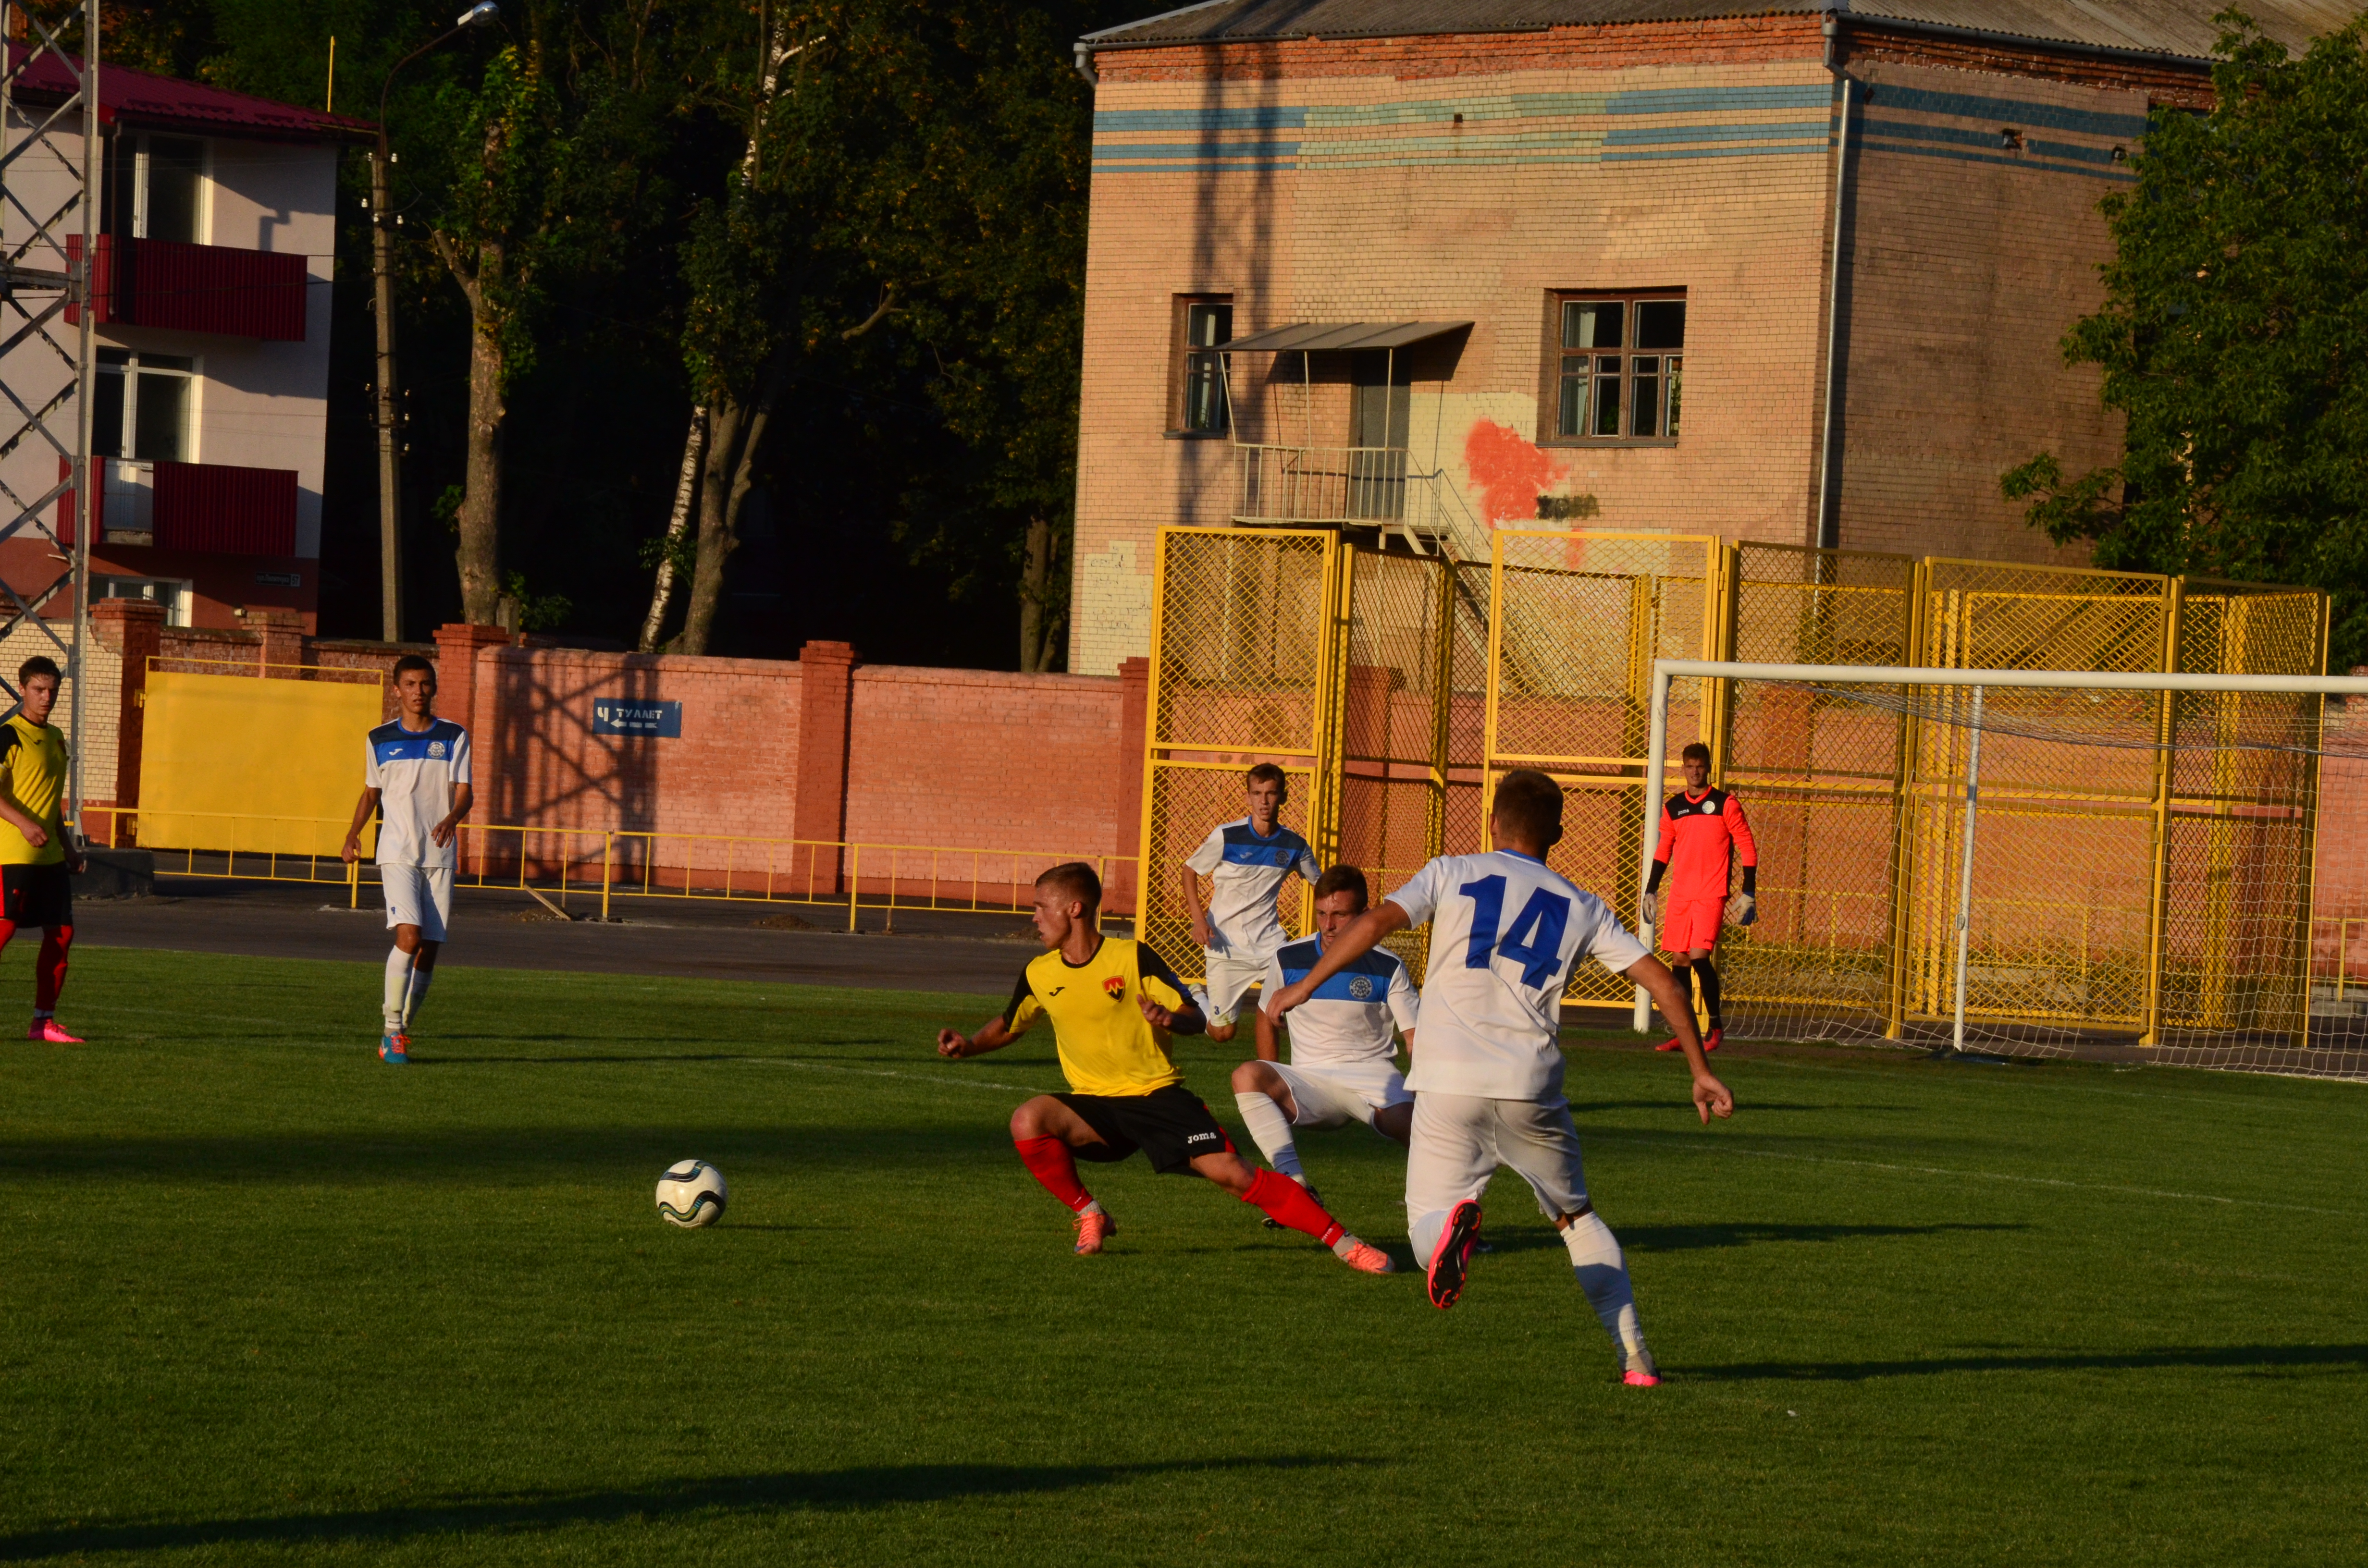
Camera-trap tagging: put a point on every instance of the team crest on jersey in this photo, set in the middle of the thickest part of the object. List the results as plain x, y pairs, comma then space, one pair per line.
1361, 988
436, 750
1115, 985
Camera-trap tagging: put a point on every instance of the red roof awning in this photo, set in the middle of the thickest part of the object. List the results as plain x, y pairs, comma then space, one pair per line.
145, 99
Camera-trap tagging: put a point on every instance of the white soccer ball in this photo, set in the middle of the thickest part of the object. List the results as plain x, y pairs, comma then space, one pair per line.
691, 1194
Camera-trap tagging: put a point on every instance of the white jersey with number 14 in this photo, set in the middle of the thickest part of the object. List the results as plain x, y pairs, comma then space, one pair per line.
1505, 933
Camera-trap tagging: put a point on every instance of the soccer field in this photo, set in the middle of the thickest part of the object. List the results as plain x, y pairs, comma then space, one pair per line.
268, 1300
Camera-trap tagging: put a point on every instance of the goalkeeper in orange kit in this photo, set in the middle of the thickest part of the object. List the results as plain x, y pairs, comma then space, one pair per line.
1704, 833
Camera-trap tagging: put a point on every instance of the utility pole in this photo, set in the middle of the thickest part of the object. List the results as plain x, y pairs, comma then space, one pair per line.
390, 415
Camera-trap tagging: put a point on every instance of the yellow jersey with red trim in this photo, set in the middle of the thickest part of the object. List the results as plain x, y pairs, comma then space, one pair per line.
33, 766
1107, 1046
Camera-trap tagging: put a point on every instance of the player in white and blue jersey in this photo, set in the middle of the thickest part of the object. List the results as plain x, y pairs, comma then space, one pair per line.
1247, 863
1505, 933
1344, 1050
415, 775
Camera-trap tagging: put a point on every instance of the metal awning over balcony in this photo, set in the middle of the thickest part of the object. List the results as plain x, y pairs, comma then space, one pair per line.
1318, 337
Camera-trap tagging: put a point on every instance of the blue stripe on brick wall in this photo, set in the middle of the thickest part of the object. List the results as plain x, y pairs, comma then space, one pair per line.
1269, 117
2017, 113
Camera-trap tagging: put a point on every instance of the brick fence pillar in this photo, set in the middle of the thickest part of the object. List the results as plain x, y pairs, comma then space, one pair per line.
458, 644
826, 704
135, 629
1126, 776
283, 641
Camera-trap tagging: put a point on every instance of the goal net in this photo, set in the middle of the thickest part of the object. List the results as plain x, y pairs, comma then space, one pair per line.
2140, 867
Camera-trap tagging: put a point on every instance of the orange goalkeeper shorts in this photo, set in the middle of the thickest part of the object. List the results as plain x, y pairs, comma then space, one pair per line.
1687, 923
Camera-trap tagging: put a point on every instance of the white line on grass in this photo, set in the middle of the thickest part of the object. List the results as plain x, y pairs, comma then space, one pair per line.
1976, 1176
885, 1072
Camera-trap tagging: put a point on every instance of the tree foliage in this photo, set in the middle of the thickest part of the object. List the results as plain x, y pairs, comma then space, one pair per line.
2234, 338
668, 236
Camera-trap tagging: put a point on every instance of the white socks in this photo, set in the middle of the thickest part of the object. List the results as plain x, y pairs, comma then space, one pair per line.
1603, 1274
407, 987
1271, 1130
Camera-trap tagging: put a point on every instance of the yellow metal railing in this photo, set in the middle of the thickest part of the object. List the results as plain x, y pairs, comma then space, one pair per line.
637, 864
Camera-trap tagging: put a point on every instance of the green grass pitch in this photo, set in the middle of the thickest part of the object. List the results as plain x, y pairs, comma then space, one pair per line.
269, 1301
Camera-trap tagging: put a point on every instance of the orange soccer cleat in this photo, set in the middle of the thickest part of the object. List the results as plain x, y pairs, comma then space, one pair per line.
1711, 1041
1670, 1044
1093, 1230
1454, 1254
1367, 1258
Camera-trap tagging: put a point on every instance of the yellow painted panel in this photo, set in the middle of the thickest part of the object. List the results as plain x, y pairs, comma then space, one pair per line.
256, 767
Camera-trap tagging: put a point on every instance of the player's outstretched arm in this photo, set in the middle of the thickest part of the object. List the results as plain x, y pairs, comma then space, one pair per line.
953, 1045
1385, 919
1710, 1096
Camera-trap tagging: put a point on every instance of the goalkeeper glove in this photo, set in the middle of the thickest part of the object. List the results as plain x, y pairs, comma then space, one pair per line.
1649, 907
1742, 909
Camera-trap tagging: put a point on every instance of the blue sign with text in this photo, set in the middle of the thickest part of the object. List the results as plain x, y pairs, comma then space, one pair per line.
624, 716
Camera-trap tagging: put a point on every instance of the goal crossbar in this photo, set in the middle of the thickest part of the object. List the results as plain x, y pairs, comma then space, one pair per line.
1664, 671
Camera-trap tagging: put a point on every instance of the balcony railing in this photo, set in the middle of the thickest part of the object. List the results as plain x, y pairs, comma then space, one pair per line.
216, 288
215, 508
1355, 486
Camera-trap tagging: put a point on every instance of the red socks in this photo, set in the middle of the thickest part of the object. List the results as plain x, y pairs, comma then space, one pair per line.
1287, 1203
1055, 1168
49, 969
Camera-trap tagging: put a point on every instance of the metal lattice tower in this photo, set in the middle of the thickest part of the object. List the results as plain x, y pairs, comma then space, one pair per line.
49, 223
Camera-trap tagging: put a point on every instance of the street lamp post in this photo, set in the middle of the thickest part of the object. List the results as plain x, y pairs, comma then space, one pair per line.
390, 467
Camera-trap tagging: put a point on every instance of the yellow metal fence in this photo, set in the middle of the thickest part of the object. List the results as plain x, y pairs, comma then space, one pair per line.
609, 864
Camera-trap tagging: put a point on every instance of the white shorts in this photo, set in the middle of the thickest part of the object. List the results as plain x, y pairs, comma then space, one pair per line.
1229, 978
418, 896
1460, 1140
1336, 1096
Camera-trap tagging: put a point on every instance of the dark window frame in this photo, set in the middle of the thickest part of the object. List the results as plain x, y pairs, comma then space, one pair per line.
1661, 374
1191, 365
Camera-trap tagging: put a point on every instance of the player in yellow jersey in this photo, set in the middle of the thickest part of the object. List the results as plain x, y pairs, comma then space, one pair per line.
38, 857
1113, 1003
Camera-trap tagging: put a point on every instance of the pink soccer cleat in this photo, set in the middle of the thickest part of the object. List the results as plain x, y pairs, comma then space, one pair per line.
1713, 1041
1454, 1254
1093, 1230
1367, 1258
1641, 1379
47, 1030
1670, 1044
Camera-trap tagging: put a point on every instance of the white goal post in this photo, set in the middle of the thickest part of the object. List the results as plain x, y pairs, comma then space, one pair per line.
1964, 785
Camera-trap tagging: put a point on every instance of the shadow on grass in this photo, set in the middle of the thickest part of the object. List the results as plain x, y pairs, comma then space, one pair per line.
1696, 1238
2228, 1356
874, 1486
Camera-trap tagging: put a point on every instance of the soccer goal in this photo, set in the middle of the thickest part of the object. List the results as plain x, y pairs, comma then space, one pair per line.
2041, 862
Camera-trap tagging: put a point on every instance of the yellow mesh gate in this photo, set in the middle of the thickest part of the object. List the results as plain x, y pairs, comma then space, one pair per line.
1246, 666
1575, 622
1395, 721
1818, 779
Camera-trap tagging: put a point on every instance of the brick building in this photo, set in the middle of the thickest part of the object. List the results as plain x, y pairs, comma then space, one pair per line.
1483, 262
216, 227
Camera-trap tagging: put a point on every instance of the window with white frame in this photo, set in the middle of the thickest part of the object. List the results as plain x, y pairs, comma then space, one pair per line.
140, 406
173, 593
156, 187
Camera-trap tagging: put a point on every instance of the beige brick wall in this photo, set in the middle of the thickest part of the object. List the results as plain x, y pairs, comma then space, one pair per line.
1332, 184
1969, 260
1396, 211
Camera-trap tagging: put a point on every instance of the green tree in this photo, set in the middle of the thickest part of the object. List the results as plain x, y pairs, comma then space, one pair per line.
2234, 337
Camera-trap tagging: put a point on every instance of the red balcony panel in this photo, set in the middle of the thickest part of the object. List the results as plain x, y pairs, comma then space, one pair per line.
208, 506
216, 288
234, 511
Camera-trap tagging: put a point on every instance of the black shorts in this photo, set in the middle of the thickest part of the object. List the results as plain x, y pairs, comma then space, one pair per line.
1170, 1126
37, 895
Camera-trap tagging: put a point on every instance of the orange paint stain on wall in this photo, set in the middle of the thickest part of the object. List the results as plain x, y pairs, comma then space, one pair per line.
1510, 473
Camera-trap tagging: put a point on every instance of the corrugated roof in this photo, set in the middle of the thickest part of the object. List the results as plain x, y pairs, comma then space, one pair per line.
2181, 28
144, 98
1320, 338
